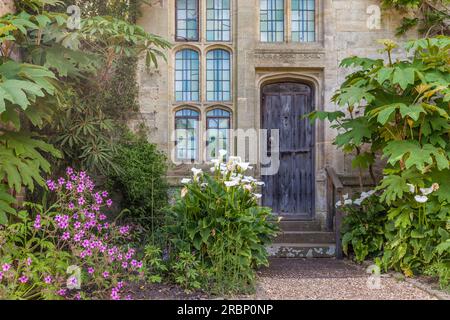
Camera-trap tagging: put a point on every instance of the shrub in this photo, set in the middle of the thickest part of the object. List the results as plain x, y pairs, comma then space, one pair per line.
217, 219
363, 226
400, 109
69, 250
142, 182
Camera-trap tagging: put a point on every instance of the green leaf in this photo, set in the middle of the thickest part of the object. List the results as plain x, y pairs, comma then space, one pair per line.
403, 77
412, 111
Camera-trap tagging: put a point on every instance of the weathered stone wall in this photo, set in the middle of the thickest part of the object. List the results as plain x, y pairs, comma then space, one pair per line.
342, 31
6, 6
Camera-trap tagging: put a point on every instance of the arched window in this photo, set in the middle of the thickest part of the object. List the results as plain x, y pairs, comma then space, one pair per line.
218, 125
272, 20
218, 75
187, 75
186, 126
218, 23
187, 20
303, 20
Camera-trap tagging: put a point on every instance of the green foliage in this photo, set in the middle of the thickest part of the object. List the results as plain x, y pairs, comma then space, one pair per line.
404, 106
142, 182
430, 16
363, 228
153, 264
186, 271
218, 220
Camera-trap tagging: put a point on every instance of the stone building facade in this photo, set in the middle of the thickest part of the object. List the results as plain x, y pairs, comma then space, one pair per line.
263, 42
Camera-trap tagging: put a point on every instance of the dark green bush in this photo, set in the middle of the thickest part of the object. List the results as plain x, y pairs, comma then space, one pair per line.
141, 180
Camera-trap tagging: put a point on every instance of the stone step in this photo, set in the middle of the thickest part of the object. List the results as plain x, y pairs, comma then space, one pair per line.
286, 225
296, 250
305, 237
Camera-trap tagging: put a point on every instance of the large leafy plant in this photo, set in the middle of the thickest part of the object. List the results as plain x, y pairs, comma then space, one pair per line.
400, 110
218, 220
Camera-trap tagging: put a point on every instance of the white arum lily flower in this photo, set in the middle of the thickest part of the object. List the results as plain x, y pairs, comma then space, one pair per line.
222, 153
358, 201
348, 202
196, 173
421, 199
216, 163
345, 196
426, 191
338, 204
231, 183
257, 195
248, 187
244, 165
260, 183
412, 188
186, 181
371, 193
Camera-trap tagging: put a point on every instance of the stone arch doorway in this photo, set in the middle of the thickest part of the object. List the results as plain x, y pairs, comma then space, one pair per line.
291, 191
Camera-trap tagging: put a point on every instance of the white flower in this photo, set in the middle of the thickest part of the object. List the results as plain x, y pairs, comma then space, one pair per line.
231, 183
196, 171
412, 188
248, 187
421, 199
222, 153
338, 204
216, 163
426, 191
358, 201
345, 196
348, 202
257, 195
259, 183
371, 192
186, 181
244, 165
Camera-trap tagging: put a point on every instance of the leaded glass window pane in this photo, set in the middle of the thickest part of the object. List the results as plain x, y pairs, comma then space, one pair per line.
187, 20
187, 75
272, 20
303, 21
218, 22
186, 126
218, 123
218, 75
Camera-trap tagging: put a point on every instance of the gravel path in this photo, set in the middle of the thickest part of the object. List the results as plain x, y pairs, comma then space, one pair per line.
328, 279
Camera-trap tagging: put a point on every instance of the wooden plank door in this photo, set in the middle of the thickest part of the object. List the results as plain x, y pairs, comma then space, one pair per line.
291, 191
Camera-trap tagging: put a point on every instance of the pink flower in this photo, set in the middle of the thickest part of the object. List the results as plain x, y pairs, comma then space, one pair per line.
48, 280
69, 171
62, 292
105, 274
91, 270
61, 181
69, 185
77, 296
23, 279
71, 206
6, 267
65, 236
81, 201
124, 264
105, 194
1, 275
37, 222
29, 261
51, 185
109, 202
102, 217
